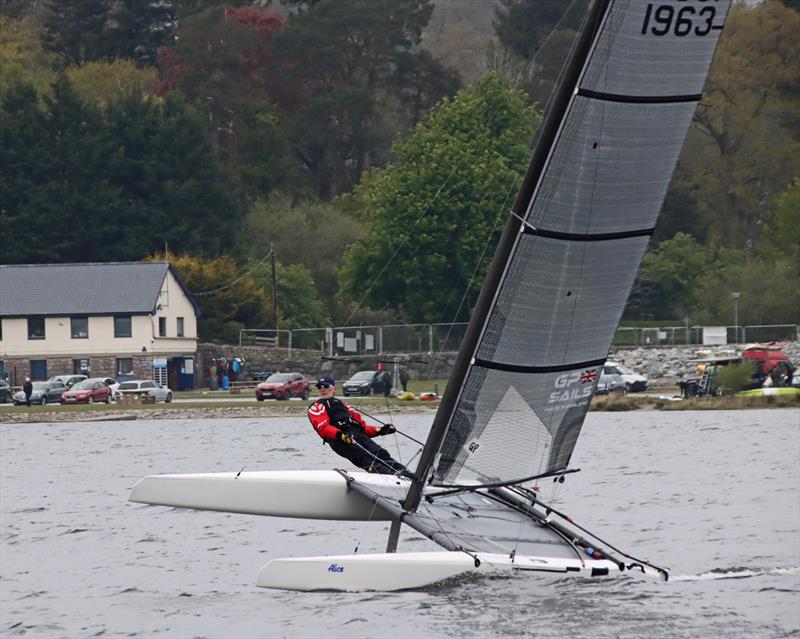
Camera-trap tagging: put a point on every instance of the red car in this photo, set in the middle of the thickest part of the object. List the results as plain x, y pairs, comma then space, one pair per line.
282, 386
88, 391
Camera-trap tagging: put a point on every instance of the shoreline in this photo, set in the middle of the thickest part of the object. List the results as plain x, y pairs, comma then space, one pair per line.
101, 413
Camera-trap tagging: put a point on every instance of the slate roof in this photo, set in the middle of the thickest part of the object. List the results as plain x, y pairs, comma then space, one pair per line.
109, 288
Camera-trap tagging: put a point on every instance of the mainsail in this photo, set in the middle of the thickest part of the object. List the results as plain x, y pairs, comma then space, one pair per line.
565, 265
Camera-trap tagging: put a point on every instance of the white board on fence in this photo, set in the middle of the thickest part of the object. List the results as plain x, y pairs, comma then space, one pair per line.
369, 341
350, 344
715, 335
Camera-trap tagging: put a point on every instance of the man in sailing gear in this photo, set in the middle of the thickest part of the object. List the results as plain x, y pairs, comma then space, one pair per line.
343, 428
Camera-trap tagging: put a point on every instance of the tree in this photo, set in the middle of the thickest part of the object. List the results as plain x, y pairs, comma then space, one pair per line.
102, 82
55, 191
299, 301
22, 57
171, 181
220, 63
523, 26
673, 273
230, 299
341, 69
78, 182
435, 215
780, 239
535, 40
744, 146
89, 30
322, 230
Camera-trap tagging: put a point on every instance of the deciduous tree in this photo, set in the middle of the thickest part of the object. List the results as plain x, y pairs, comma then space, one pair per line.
435, 215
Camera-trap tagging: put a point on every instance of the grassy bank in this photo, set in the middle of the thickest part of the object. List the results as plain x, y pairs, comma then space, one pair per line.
631, 402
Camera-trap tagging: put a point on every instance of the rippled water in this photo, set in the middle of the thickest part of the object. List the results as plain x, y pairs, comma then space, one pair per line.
711, 495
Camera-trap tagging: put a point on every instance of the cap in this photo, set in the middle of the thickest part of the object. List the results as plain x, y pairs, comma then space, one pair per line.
325, 381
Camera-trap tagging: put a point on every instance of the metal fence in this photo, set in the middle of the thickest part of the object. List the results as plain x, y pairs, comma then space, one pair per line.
339, 341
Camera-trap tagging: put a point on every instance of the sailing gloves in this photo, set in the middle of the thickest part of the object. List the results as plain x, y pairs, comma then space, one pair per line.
387, 429
344, 438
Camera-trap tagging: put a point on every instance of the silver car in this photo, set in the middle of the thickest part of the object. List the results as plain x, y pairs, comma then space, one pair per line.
144, 386
43, 393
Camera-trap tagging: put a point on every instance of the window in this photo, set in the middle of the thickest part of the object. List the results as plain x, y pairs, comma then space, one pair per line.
124, 367
122, 326
162, 326
79, 327
180, 327
80, 367
36, 328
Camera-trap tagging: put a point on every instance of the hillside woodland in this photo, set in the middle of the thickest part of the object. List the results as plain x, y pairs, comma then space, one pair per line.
372, 147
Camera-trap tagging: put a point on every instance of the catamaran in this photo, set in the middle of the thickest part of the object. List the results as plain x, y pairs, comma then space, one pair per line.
537, 340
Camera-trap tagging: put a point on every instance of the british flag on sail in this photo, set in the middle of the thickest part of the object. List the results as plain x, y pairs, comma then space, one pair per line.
589, 376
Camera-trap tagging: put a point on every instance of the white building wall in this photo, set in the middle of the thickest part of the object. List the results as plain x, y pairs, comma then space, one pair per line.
172, 304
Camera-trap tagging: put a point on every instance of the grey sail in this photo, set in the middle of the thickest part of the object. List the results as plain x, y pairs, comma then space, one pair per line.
571, 249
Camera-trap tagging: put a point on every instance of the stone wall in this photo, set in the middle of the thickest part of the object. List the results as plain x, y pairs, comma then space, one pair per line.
663, 366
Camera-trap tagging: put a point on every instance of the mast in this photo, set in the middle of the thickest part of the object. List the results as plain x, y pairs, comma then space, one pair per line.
544, 142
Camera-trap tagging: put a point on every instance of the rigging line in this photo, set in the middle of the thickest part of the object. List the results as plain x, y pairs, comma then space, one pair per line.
363, 412
458, 488
469, 284
238, 279
402, 473
404, 240
569, 519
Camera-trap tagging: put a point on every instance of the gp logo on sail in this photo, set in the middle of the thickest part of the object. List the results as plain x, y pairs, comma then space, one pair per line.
573, 386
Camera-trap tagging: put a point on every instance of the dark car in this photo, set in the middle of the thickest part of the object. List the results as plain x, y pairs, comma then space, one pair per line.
366, 383
68, 380
5, 392
282, 386
43, 393
88, 391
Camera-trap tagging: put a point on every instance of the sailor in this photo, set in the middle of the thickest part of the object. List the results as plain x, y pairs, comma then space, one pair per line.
341, 426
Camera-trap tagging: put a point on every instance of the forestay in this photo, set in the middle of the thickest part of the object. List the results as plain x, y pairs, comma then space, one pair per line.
570, 253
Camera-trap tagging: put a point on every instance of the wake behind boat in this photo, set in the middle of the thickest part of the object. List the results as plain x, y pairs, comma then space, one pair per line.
538, 337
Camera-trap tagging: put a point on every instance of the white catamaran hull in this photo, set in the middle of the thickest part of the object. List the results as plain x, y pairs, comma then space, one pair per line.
398, 571
307, 494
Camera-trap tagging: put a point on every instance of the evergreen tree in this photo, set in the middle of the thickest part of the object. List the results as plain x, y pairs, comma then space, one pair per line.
339, 71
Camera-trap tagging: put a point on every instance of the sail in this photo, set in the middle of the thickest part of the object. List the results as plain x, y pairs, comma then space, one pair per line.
566, 263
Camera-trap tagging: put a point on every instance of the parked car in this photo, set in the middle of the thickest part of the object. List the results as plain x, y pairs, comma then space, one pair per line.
365, 383
282, 386
141, 386
43, 393
68, 380
610, 383
632, 380
5, 392
111, 383
88, 391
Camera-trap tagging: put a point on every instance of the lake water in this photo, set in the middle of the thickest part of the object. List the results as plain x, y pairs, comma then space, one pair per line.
712, 495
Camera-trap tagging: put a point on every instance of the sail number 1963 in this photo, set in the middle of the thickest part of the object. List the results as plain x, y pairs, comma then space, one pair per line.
662, 19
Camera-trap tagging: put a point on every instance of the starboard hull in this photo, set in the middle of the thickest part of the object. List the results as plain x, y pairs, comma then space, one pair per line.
306, 494
401, 571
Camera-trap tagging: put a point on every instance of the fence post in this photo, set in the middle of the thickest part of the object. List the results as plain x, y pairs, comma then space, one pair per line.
290, 343
430, 338
240, 337
380, 340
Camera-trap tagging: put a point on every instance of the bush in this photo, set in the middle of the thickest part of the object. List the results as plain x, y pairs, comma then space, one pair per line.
735, 377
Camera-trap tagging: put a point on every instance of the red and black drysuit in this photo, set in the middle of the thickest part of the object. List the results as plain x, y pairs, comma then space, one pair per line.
330, 417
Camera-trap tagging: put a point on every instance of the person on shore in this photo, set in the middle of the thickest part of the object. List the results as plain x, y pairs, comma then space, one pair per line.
27, 388
345, 430
404, 378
